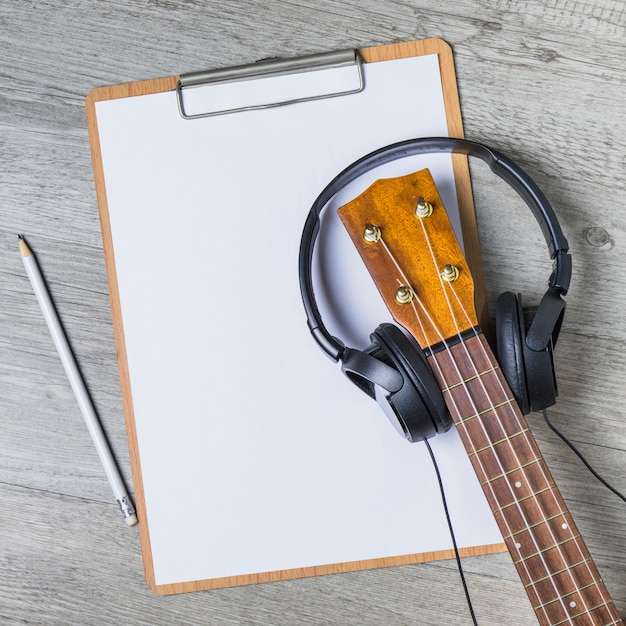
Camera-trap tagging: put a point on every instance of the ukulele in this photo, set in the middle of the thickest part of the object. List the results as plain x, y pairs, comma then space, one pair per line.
404, 236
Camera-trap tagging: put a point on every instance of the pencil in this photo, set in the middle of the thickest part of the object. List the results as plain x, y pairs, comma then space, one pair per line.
77, 383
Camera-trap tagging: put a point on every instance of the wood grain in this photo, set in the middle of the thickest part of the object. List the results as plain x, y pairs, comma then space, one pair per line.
410, 252
543, 81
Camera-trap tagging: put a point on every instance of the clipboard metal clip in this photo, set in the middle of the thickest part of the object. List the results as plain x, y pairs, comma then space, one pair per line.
266, 69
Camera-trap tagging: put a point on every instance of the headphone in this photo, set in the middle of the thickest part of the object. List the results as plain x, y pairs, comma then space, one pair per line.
394, 371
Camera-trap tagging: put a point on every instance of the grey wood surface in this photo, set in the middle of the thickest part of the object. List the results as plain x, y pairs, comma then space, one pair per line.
544, 81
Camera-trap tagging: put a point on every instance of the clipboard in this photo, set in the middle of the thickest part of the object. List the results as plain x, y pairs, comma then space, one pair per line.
224, 498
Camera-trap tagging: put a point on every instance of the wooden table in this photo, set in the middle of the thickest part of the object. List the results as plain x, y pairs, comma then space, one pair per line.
542, 81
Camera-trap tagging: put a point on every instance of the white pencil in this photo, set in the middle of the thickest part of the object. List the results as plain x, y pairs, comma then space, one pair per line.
77, 383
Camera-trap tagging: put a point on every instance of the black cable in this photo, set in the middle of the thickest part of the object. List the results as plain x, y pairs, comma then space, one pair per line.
568, 443
456, 550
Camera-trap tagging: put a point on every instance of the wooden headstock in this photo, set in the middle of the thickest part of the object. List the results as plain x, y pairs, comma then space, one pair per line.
415, 260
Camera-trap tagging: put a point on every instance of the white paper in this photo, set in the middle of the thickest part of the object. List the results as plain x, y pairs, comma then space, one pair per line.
256, 453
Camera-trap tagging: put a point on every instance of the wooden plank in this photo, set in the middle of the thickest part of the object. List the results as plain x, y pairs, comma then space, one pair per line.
541, 81
49, 577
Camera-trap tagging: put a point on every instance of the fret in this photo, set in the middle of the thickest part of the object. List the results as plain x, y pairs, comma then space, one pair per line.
577, 614
501, 458
554, 575
565, 605
515, 515
481, 435
545, 505
586, 615
563, 579
572, 591
536, 527
545, 550
518, 485
570, 597
485, 393
555, 559
533, 496
522, 466
504, 440
479, 394
485, 411
470, 379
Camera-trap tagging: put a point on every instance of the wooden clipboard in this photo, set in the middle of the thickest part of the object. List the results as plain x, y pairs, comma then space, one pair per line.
470, 237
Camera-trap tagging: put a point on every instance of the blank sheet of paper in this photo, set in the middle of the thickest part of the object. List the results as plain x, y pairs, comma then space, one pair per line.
256, 453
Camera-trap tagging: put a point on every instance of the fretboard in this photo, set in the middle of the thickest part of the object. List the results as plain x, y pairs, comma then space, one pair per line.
560, 578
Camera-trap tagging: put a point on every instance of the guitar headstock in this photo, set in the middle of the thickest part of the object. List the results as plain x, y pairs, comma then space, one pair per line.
402, 232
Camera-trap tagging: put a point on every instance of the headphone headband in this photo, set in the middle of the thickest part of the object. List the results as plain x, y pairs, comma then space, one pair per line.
500, 165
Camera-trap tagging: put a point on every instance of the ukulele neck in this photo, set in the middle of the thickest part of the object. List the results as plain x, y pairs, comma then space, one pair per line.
559, 576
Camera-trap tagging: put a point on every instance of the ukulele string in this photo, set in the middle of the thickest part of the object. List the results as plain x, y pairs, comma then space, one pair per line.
516, 415
492, 408
436, 467
566, 526
450, 395
476, 414
522, 431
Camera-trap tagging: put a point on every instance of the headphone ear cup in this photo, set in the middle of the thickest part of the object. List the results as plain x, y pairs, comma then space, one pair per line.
510, 335
419, 405
368, 371
530, 373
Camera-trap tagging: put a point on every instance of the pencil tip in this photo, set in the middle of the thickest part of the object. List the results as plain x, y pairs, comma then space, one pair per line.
24, 249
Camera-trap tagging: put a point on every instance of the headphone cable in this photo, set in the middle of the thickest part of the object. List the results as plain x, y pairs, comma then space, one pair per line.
456, 550
573, 448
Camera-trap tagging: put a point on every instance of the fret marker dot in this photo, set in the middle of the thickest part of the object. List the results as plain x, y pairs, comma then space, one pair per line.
518, 484
564, 525
572, 604
518, 545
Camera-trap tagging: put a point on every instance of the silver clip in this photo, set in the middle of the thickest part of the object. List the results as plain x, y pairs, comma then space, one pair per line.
267, 68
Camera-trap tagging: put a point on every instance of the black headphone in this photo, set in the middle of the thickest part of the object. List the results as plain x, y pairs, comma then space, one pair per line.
395, 372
